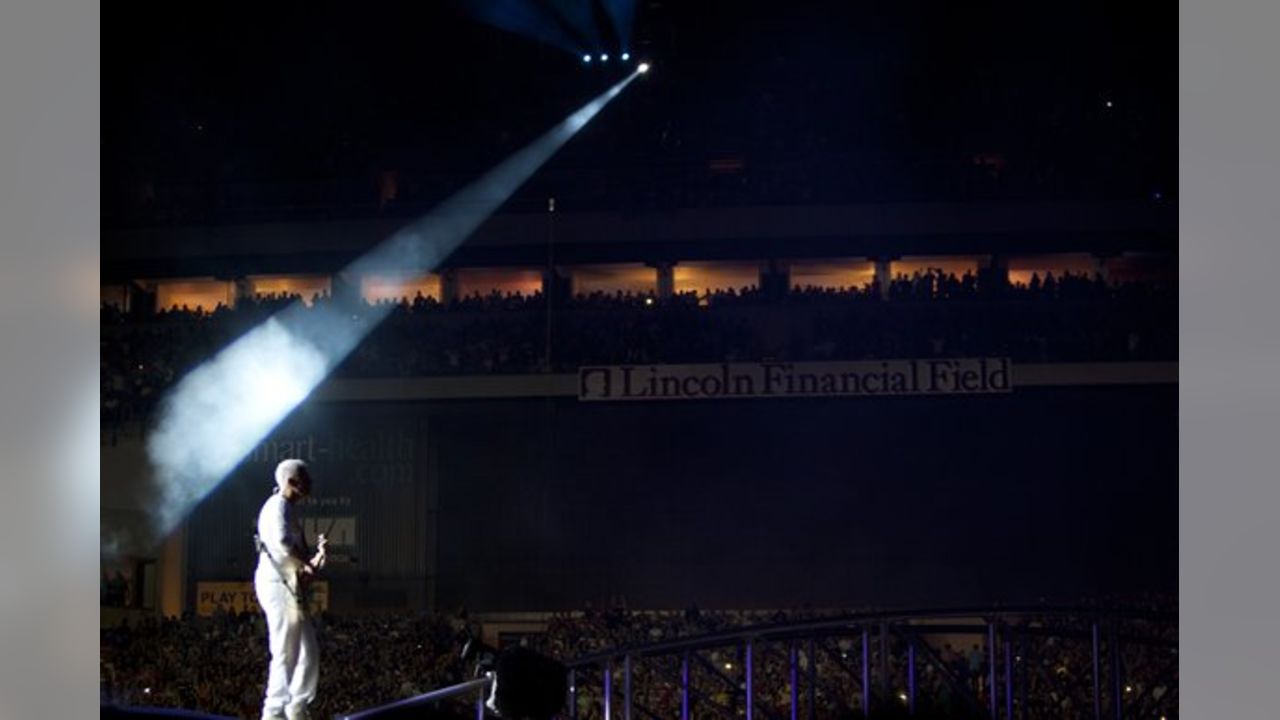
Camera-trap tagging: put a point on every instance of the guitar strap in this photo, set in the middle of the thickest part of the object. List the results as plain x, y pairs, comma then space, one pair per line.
296, 592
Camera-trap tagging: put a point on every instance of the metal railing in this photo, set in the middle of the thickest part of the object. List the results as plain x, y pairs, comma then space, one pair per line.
881, 657
479, 686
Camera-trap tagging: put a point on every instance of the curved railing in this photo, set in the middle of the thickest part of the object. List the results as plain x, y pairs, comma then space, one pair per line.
889, 662
479, 686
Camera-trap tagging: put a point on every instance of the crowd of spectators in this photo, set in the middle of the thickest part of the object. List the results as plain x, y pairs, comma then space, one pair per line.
1065, 318
217, 664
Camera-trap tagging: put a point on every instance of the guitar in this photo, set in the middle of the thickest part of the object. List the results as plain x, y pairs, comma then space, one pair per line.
308, 574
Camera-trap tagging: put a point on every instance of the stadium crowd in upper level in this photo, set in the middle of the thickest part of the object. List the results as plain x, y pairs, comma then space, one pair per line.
1068, 318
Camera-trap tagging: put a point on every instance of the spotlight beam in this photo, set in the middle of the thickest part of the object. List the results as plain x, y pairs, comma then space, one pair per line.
425, 243
222, 409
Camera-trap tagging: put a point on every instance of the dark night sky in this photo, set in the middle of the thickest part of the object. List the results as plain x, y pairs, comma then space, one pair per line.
300, 91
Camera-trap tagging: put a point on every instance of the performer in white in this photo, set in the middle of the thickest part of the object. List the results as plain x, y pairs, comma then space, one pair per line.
280, 582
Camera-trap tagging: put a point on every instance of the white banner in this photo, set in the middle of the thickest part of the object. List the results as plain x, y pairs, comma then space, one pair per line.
934, 376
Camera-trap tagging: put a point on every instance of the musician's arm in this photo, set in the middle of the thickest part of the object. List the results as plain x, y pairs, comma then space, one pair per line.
318, 560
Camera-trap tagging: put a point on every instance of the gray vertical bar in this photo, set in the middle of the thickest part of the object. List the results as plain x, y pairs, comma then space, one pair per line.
992, 662
1008, 678
684, 686
432, 523
792, 680
750, 696
911, 674
866, 671
549, 277
573, 694
608, 689
813, 680
1023, 673
884, 660
1026, 673
626, 687
1117, 670
1097, 681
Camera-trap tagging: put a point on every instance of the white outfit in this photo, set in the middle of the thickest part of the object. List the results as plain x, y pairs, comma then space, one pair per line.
295, 667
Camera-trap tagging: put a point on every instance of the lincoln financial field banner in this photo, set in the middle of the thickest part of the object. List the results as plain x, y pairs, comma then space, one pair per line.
952, 376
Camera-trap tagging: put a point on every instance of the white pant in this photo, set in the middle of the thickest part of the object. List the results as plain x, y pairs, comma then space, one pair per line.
295, 665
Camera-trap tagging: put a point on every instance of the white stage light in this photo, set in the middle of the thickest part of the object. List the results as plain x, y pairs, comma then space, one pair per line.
215, 415
644, 68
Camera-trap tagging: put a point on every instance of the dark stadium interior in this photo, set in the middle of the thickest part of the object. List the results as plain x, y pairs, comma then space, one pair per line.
830, 187
296, 111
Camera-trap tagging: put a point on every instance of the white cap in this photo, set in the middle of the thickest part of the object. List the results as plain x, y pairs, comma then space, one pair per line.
288, 470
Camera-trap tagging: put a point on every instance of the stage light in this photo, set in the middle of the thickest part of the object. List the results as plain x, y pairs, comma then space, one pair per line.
215, 415
604, 57
643, 68
586, 58
626, 57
